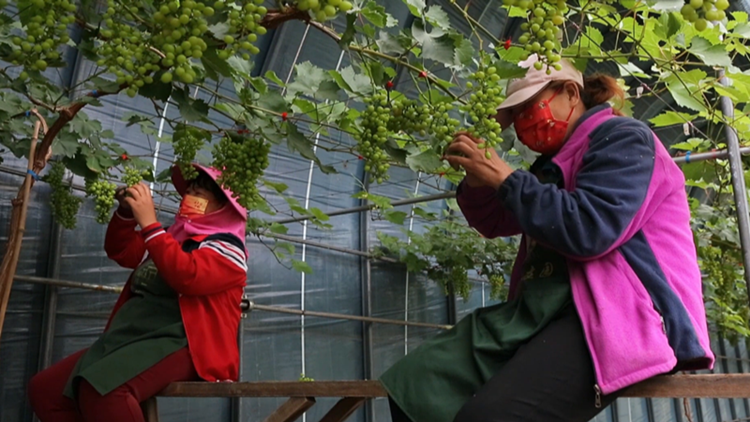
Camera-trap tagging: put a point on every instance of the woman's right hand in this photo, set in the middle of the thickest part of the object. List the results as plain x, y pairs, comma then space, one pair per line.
120, 196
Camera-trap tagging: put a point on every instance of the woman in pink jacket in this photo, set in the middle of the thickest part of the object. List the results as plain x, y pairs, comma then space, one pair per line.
606, 289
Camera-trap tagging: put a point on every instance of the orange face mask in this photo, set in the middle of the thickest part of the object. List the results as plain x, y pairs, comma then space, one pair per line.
192, 206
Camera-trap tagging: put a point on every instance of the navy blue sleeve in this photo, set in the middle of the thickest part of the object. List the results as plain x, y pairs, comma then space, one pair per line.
610, 189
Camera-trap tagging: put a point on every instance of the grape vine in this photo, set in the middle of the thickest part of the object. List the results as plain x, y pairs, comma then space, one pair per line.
64, 204
243, 161
103, 192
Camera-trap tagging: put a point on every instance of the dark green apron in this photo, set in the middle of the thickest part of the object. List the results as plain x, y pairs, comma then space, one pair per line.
433, 382
146, 329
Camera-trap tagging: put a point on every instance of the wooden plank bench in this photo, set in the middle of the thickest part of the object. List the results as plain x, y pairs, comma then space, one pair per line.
353, 394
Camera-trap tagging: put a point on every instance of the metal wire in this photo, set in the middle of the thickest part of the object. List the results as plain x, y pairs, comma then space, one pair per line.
247, 305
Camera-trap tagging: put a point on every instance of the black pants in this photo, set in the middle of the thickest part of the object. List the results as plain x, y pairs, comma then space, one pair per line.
549, 379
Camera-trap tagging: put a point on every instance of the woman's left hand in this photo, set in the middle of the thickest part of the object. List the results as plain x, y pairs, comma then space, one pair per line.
486, 171
142, 204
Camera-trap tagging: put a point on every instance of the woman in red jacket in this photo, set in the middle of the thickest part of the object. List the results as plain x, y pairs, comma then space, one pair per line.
177, 317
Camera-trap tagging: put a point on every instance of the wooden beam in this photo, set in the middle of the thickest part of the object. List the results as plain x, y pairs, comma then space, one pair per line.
694, 386
291, 410
367, 389
719, 386
343, 409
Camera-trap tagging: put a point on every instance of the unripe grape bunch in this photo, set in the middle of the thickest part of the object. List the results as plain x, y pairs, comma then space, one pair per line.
64, 204
322, 10
186, 146
46, 29
700, 12
482, 106
242, 161
384, 119
103, 192
179, 32
544, 21
132, 176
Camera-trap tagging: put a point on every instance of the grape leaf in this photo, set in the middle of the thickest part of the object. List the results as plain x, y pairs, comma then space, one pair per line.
296, 141
191, 110
395, 217
416, 6
669, 118
301, 266
351, 81
712, 55
427, 161
437, 16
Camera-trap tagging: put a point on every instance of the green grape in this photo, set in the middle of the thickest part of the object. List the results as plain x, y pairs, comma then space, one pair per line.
243, 161
64, 204
132, 176
187, 143
103, 192
45, 33
482, 106
179, 33
403, 119
322, 10
545, 18
700, 12
374, 135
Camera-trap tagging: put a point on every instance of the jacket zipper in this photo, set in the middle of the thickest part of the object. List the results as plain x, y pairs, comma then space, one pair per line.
598, 397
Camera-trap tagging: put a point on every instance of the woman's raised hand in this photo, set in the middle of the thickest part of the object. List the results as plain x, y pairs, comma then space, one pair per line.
141, 203
480, 170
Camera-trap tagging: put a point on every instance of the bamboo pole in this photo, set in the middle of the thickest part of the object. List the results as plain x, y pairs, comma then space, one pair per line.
18, 223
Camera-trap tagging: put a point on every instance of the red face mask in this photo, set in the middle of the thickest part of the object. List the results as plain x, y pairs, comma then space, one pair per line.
193, 206
538, 129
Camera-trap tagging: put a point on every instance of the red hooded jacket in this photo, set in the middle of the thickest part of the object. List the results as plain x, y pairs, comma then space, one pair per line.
208, 273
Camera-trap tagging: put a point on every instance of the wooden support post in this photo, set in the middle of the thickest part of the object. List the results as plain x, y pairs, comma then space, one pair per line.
291, 410
150, 410
343, 409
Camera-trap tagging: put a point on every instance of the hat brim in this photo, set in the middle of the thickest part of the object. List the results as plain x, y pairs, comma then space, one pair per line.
504, 115
181, 185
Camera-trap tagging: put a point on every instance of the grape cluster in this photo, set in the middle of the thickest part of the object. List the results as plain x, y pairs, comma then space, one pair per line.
132, 176
385, 118
699, 12
186, 146
545, 17
103, 193
46, 31
244, 23
178, 34
64, 204
482, 106
374, 135
322, 10
243, 162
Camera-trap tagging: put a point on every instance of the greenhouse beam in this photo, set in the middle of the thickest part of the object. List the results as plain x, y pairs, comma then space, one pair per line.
738, 181
265, 308
361, 208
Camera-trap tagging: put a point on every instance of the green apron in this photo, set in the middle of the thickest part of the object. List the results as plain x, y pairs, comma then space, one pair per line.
432, 383
145, 330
